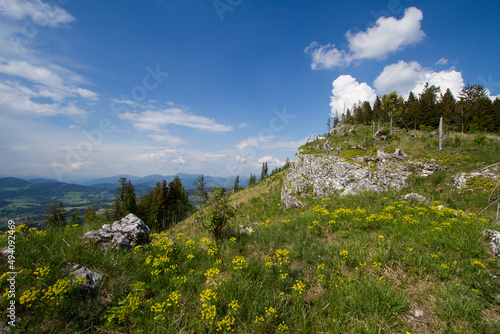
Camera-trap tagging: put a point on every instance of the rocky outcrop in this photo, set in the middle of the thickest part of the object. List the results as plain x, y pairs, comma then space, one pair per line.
123, 234
460, 180
322, 176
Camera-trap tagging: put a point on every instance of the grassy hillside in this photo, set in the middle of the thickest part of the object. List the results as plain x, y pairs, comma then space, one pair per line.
370, 263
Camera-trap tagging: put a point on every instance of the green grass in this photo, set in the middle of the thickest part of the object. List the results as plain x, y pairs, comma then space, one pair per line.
357, 264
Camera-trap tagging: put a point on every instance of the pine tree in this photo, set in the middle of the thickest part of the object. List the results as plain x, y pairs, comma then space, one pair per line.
236, 183
428, 106
252, 180
125, 199
178, 200
446, 106
263, 172
56, 216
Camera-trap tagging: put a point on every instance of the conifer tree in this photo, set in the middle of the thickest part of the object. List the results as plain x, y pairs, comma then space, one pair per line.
236, 186
263, 172
56, 216
252, 180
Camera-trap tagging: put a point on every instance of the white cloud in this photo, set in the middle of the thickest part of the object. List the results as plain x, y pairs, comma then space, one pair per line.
39, 12
164, 137
52, 84
242, 125
387, 35
15, 98
404, 77
271, 162
154, 120
442, 61
347, 91
326, 56
179, 161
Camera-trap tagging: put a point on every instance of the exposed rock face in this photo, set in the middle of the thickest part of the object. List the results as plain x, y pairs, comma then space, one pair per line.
122, 234
322, 176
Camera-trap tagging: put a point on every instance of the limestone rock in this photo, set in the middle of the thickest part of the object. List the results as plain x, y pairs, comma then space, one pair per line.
92, 278
364, 184
322, 176
495, 241
123, 234
416, 197
379, 136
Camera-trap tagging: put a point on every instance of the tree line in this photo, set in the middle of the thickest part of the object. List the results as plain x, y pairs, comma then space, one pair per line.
472, 111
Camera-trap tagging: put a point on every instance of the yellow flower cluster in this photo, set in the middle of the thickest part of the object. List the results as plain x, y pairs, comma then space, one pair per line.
259, 320
40, 272
226, 324
266, 223
205, 242
208, 313
54, 292
299, 287
190, 244
29, 296
344, 253
271, 312
282, 327
207, 296
129, 305
212, 273
280, 257
234, 306
239, 263
233, 240
212, 251
479, 263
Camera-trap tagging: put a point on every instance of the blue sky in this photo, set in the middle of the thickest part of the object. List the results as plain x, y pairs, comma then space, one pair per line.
98, 88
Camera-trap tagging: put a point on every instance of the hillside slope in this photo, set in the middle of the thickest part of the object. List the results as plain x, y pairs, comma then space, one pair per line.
365, 263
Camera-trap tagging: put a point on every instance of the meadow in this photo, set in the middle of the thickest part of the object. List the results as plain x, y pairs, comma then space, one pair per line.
371, 263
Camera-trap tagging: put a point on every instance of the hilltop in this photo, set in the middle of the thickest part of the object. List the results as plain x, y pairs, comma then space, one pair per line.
364, 262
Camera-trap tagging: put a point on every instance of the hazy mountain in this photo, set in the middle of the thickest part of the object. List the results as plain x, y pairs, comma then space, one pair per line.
42, 180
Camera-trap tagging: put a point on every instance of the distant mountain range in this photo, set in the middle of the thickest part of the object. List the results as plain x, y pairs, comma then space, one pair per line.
32, 197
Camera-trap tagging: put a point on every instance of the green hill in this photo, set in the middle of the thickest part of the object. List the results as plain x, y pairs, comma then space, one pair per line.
366, 263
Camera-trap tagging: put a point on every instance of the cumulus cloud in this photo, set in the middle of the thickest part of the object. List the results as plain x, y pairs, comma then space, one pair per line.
154, 120
326, 56
347, 91
404, 77
387, 35
39, 12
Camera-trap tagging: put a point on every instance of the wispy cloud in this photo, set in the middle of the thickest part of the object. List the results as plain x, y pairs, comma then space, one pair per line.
442, 61
156, 120
387, 35
39, 12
